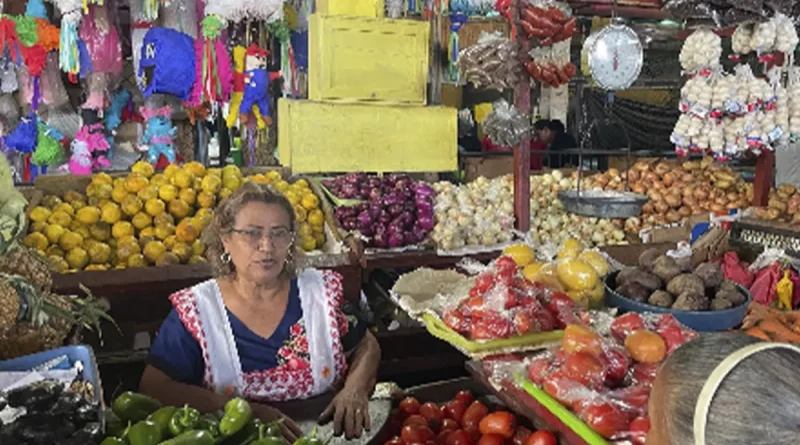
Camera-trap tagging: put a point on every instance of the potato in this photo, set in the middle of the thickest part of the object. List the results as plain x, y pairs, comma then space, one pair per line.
686, 283
666, 268
736, 298
648, 258
634, 291
647, 280
625, 274
711, 274
690, 301
661, 298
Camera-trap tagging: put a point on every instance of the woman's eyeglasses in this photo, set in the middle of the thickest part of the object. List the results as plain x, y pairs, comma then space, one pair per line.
280, 238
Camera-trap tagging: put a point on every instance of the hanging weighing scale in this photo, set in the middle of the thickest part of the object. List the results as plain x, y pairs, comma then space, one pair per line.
615, 57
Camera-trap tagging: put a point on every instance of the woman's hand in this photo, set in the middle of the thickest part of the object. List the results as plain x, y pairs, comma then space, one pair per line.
268, 414
350, 412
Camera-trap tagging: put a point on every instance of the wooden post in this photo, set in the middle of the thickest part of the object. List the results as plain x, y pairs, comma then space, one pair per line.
765, 176
522, 154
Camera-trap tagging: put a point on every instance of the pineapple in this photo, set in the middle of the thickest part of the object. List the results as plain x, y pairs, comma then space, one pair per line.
30, 265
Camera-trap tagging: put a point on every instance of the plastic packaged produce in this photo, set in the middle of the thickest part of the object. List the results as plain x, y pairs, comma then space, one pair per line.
548, 23
701, 50
786, 34
741, 38
505, 126
490, 63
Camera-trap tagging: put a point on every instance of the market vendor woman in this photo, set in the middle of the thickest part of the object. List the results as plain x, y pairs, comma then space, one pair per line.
258, 329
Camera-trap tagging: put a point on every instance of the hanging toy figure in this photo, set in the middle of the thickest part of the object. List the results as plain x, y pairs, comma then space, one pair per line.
159, 136
255, 96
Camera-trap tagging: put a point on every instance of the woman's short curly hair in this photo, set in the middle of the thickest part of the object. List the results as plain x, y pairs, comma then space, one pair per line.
225, 217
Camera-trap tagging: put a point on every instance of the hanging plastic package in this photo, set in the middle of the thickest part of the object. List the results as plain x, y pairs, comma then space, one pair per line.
180, 15
167, 64
102, 41
69, 52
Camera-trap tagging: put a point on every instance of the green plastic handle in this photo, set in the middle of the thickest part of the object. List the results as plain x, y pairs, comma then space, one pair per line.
440, 330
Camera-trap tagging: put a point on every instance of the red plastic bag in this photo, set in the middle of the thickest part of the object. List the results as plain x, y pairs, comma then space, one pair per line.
763, 288
736, 270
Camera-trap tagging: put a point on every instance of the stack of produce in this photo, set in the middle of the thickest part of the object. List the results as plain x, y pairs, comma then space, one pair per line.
397, 211
52, 414
551, 224
771, 324
606, 379
783, 205
461, 421
676, 190
661, 281
477, 214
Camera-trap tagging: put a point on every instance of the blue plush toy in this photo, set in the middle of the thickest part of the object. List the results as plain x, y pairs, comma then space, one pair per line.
112, 118
159, 135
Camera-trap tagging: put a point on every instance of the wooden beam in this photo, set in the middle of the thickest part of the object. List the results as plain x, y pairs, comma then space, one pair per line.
522, 153
765, 176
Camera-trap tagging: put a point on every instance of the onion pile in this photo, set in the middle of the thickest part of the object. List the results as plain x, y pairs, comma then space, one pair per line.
398, 211
783, 206
677, 191
551, 224
477, 214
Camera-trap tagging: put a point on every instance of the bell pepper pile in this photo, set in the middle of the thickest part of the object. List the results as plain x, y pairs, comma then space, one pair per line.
548, 25
550, 74
141, 420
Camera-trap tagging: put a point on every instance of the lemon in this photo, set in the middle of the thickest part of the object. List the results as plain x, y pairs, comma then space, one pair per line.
141, 220
206, 199
88, 215
170, 171
300, 214
110, 213
167, 192
36, 241
102, 178
72, 195
96, 268
520, 253
154, 207
211, 184
51, 201
179, 208
187, 232
576, 274
201, 222
571, 249
148, 231
118, 182
531, 271
137, 260
231, 182
164, 230
40, 214
596, 260
188, 195
38, 226
196, 259
54, 250
198, 247
118, 194
183, 179
214, 172
125, 250
60, 217
66, 208
260, 179
163, 218
169, 242
292, 197
77, 205
205, 212
168, 258
58, 263
121, 229
183, 250
153, 250
132, 205
53, 232
80, 229
147, 193
99, 253
158, 180
304, 229
316, 218
77, 258
102, 190
308, 243
195, 168
302, 183
143, 168
70, 240
101, 231
282, 186
317, 229
309, 201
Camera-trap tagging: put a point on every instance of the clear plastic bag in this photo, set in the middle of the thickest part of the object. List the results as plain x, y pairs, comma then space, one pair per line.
490, 63
54, 94
505, 126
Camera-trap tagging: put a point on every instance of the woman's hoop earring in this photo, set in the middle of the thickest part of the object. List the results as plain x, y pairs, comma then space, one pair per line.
225, 257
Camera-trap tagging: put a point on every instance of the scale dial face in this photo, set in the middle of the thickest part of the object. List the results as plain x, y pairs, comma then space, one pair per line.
615, 57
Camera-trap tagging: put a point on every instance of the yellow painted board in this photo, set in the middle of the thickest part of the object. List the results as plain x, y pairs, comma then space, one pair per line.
316, 137
356, 8
355, 59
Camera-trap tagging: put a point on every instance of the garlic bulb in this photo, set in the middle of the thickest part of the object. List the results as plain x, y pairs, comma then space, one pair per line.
764, 36
702, 49
741, 38
786, 34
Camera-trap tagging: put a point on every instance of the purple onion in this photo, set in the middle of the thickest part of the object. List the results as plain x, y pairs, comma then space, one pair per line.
380, 239
350, 224
424, 207
374, 210
375, 194
426, 222
364, 219
349, 191
395, 209
419, 233
393, 199
396, 239
407, 218
384, 217
424, 190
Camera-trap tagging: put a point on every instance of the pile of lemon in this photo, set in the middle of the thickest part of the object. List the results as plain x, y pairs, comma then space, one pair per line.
139, 220
307, 212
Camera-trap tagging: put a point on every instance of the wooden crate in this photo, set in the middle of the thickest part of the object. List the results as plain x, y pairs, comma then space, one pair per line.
316, 137
354, 59
356, 8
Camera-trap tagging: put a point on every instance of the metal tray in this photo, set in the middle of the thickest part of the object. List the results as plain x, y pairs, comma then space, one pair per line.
602, 204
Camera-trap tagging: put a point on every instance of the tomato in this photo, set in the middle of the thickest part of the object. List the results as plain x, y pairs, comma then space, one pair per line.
512, 298
501, 423
539, 369
605, 419
617, 364
441, 438
633, 398
465, 396
562, 388
483, 283
579, 338
475, 307
558, 301
459, 437
644, 373
542, 437
640, 426
475, 412
505, 265
456, 321
473, 428
415, 419
409, 406
480, 331
626, 324
416, 433
455, 410
521, 436
449, 424
396, 440
673, 337
491, 439
498, 325
543, 321
432, 413
586, 369
522, 322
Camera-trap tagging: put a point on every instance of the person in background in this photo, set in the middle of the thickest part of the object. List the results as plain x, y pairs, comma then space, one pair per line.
537, 144
554, 134
737, 388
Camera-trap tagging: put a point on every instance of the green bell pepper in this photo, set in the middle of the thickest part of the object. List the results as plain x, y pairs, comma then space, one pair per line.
208, 422
244, 437
114, 425
237, 414
145, 432
113, 441
183, 420
162, 417
133, 407
270, 435
311, 439
195, 437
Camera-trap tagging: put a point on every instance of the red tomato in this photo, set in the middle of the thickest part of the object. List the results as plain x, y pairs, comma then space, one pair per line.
501, 423
498, 325
417, 434
586, 369
521, 436
543, 321
491, 439
480, 331
472, 427
640, 426
476, 412
605, 419
579, 338
562, 388
455, 410
409, 406
539, 369
634, 398
456, 321
505, 264
465, 396
522, 322
558, 301
449, 425
432, 413
441, 438
617, 364
644, 373
396, 440
542, 437
483, 283
459, 437
415, 419
673, 337
475, 307
626, 324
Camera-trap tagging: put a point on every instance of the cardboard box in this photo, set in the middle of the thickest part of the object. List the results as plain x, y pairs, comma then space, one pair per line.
673, 233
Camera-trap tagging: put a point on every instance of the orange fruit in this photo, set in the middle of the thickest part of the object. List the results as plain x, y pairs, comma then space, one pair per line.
646, 346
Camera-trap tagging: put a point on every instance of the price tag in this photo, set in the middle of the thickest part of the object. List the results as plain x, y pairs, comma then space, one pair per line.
754, 142
699, 111
678, 140
733, 107
684, 106
775, 134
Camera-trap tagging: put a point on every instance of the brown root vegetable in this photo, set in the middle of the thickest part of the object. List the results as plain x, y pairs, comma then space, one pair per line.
690, 301
735, 297
666, 268
648, 258
624, 275
634, 291
647, 280
728, 286
686, 282
661, 298
711, 274
720, 304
